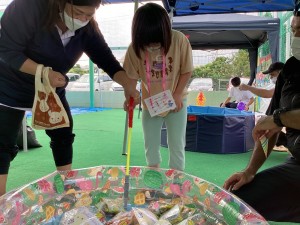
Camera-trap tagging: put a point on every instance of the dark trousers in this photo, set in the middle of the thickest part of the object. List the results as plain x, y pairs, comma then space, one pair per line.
232, 105
275, 192
281, 140
10, 124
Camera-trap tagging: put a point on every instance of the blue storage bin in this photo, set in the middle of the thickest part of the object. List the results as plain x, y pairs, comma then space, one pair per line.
217, 130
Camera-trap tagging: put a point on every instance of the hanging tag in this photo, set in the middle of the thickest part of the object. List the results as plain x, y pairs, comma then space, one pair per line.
264, 144
160, 103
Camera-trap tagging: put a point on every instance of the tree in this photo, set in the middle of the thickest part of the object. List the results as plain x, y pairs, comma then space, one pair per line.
240, 64
219, 68
225, 67
77, 69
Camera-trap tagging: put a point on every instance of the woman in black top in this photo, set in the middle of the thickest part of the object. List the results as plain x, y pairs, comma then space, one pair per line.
54, 33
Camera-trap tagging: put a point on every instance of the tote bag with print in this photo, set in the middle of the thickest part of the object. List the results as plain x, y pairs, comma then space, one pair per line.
47, 111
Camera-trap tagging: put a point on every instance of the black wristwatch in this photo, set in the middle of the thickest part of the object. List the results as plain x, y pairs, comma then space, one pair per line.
276, 116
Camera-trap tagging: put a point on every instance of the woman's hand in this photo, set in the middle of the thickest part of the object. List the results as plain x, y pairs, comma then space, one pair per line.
129, 86
56, 79
130, 91
126, 103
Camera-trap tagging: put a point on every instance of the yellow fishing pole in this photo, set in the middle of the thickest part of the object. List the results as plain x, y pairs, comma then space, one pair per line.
130, 119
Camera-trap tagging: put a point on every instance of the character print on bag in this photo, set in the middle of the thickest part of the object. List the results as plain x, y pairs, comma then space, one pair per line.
47, 111
42, 104
45, 115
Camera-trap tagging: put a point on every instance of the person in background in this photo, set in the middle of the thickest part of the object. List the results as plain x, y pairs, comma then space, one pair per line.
274, 192
54, 33
162, 59
274, 71
239, 96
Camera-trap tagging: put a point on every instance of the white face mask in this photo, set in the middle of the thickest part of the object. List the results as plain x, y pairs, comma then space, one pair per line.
273, 80
73, 24
295, 46
154, 48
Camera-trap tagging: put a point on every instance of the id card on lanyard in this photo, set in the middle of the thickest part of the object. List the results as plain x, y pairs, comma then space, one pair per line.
163, 101
160, 103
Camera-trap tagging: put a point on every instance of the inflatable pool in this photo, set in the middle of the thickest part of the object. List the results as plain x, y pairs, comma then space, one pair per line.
95, 196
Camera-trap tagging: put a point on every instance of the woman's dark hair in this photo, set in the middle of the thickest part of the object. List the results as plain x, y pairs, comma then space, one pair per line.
151, 24
56, 6
236, 81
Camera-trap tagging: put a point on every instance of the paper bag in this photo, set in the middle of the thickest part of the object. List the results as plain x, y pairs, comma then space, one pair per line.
47, 111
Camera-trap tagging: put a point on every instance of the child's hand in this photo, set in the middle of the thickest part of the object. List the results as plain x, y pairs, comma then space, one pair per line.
178, 102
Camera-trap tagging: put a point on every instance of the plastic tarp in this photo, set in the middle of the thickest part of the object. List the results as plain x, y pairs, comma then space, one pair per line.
231, 31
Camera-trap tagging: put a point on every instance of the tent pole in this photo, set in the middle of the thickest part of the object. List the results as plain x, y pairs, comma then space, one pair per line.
24, 127
136, 5
297, 3
171, 14
91, 68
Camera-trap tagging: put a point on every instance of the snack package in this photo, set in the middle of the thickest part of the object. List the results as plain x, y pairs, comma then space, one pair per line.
124, 218
187, 211
144, 216
162, 222
80, 216
196, 219
174, 215
111, 206
161, 206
